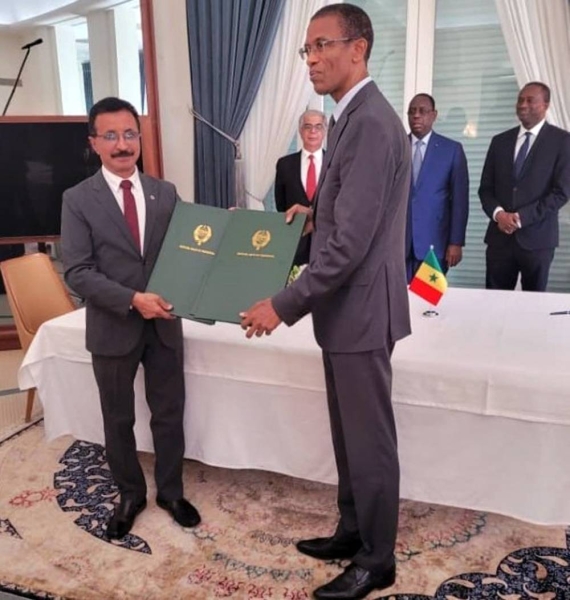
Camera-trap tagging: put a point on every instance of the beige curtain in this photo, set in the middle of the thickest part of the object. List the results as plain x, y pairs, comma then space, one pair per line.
537, 34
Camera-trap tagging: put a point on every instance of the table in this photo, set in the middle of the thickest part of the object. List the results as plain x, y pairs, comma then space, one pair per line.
481, 395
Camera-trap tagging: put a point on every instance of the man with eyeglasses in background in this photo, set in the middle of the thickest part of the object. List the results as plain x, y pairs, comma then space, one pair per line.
297, 174
112, 229
439, 195
355, 288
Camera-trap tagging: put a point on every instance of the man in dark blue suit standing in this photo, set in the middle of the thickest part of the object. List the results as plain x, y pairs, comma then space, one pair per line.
439, 196
525, 182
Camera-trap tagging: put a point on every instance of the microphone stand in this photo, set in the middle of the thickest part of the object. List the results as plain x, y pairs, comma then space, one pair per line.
17, 81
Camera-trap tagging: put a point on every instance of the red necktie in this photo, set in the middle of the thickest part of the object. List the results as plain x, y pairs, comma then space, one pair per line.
311, 178
130, 208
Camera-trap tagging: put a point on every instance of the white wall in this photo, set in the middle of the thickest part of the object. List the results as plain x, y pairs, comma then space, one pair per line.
39, 92
175, 95
40, 95
71, 93
9, 63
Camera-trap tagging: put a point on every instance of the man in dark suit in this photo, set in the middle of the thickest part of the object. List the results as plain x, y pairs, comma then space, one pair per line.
439, 196
297, 174
112, 228
355, 288
525, 182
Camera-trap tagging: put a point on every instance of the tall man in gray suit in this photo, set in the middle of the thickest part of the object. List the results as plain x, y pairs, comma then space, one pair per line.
112, 228
355, 288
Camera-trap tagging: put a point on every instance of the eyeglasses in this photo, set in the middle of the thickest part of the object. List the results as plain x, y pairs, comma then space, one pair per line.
421, 111
318, 127
319, 46
113, 136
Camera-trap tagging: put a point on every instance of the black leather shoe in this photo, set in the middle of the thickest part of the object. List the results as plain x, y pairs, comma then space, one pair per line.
123, 517
330, 548
181, 511
355, 583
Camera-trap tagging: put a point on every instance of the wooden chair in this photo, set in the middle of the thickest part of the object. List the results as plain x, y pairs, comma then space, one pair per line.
36, 294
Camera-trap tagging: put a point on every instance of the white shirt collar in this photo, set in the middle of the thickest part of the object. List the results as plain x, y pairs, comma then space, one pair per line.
425, 139
114, 181
534, 130
345, 100
317, 153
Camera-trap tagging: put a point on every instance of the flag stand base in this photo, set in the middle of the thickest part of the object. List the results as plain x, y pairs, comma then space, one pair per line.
430, 313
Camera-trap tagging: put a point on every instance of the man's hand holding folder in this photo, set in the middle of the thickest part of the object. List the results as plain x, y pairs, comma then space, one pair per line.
214, 263
261, 317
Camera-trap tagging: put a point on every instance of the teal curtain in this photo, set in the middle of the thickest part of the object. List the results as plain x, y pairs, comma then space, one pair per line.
229, 42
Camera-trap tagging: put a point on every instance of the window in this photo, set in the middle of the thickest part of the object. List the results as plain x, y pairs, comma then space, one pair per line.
386, 64
387, 61
475, 90
82, 50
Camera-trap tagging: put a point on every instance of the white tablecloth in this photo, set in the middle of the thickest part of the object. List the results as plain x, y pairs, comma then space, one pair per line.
481, 393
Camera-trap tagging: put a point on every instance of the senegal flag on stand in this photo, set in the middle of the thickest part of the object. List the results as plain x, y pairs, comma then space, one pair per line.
429, 282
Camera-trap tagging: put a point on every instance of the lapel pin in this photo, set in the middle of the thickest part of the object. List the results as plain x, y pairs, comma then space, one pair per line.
152, 197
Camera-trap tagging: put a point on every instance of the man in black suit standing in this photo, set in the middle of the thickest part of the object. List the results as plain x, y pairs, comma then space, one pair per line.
112, 228
525, 182
297, 174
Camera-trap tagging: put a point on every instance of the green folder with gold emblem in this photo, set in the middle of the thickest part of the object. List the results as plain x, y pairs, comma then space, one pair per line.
215, 263
253, 262
189, 246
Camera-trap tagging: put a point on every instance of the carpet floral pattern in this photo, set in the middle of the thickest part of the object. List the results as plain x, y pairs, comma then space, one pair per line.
55, 500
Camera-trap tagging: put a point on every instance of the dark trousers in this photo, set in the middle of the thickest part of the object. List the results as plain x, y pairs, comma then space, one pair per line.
359, 388
505, 262
164, 384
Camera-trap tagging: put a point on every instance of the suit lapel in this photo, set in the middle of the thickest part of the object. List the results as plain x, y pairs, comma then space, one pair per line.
332, 141
151, 198
509, 149
298, 177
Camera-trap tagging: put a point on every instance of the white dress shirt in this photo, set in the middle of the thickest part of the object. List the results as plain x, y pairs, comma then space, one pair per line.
114, 182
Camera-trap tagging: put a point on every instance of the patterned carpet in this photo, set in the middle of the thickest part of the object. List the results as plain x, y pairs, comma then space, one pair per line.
55, 499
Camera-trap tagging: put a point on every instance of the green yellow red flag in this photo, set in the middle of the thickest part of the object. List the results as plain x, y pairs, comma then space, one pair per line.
429, 282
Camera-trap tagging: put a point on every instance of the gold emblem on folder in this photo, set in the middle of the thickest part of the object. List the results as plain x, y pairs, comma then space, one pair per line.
261, 238
202, 234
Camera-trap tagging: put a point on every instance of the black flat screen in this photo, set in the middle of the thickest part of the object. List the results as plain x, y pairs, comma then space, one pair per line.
38, 162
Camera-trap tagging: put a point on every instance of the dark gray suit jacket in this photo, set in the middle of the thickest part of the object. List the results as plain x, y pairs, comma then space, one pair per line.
355, 284
103, 265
